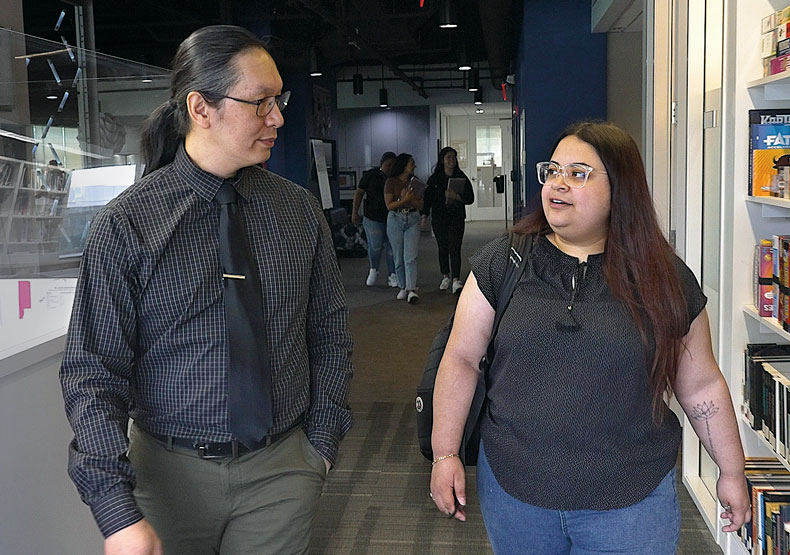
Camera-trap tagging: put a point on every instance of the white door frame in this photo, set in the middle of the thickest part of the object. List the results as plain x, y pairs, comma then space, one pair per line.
475, 212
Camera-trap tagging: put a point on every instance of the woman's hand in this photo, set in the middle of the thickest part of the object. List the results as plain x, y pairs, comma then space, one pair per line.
406, 194
734, 497
448, 488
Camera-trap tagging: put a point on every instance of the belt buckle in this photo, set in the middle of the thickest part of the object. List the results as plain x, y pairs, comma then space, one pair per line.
203, 451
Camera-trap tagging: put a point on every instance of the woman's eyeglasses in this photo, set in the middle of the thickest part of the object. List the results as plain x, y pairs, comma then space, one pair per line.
574, 175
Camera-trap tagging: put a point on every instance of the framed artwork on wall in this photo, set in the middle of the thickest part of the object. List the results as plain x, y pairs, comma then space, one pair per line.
347, 180
460, 148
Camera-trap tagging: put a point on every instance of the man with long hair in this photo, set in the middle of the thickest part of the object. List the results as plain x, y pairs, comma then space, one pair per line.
226, 345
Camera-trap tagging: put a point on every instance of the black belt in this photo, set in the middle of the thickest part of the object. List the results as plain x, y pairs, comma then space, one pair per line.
406, 210
208, 450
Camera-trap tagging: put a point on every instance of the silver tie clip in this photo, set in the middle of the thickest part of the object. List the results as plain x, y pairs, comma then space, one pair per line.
234, 276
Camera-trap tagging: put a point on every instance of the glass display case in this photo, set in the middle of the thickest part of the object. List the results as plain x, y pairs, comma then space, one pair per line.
69, 143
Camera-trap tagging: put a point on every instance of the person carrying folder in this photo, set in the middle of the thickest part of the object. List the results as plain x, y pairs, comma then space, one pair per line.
449, 191
578, 446
403, 195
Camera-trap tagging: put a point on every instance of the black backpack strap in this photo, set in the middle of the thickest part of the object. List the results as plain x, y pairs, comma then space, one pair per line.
518, 249
519, 246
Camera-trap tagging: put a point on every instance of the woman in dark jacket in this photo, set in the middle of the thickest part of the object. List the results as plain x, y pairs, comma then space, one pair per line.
449, 213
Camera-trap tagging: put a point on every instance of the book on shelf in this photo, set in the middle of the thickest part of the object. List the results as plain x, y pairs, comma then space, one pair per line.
768, 484
755, 356
763, 277
769, 153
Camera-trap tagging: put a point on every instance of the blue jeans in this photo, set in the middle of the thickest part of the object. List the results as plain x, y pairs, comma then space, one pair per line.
376, 233
649, 527
403, 231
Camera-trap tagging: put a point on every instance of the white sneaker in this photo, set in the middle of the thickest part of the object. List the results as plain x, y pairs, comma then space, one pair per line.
401, 294
412, 297
392, 280
445, 284
372, 275
457, 286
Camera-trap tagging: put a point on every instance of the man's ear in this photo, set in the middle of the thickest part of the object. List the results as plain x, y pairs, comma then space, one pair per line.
199, 110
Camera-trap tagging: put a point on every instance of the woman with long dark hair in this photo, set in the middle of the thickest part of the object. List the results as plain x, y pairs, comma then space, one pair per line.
447, 205
403, 224
578, 444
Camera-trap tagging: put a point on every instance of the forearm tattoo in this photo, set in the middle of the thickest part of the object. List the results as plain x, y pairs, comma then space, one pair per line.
706, 411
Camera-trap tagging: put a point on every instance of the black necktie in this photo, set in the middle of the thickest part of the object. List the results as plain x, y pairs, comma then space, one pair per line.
249, 373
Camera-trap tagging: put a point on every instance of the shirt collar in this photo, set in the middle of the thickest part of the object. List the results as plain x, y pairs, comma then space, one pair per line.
207, 184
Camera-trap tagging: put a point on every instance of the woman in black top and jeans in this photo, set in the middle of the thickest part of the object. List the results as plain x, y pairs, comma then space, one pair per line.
449, 213
578, 446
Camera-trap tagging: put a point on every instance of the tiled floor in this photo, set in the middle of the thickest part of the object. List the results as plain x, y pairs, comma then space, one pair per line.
376, 500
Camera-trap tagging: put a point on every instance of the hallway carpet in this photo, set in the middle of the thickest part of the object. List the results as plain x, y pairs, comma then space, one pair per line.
376, 499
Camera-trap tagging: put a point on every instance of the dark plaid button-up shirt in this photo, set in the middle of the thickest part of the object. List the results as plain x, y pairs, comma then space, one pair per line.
147, 335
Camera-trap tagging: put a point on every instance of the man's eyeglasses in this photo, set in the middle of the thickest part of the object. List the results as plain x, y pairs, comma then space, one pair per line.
575, 175
264, 106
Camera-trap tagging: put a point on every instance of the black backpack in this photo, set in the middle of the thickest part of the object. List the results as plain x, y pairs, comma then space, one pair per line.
519, 246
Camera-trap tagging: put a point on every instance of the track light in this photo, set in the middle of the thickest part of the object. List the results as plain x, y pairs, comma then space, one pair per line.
474, 80
383, 98
478, 97
358, 84
447, 16
315, 70
480, 111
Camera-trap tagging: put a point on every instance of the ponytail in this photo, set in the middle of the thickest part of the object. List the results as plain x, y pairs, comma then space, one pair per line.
160, 136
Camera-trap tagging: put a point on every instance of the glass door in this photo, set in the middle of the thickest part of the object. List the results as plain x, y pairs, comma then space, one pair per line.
711, 191
490, 157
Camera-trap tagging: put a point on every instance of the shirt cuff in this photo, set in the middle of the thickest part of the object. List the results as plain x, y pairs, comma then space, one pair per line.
116, 511
325, 443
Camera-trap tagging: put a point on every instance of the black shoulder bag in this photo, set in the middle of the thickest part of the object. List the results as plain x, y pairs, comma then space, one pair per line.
519, 246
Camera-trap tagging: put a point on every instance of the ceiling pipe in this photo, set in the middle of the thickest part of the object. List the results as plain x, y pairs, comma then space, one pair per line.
351, 35
495, 19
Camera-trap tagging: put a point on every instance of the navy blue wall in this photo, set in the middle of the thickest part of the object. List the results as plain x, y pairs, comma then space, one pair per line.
291, 155
560, 76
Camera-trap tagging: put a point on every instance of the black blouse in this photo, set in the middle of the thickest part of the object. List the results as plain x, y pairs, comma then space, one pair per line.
569, 421
435, 200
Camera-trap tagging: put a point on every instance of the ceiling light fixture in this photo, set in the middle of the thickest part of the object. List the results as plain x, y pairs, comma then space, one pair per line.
447, 16
51, 97
358, 88
315, 70
479, 111
383, 96
146, 80
463, 62
478, 97
474, 80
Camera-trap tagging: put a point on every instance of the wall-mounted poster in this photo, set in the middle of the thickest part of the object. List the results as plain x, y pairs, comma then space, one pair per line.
460, 148
322, 112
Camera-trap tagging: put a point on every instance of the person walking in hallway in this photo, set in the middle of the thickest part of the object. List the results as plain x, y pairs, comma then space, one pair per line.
449, 191
578, 446
403, 224
374, 221
226, 345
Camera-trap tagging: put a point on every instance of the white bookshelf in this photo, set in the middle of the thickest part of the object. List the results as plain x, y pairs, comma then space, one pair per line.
773, 87
745, 220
